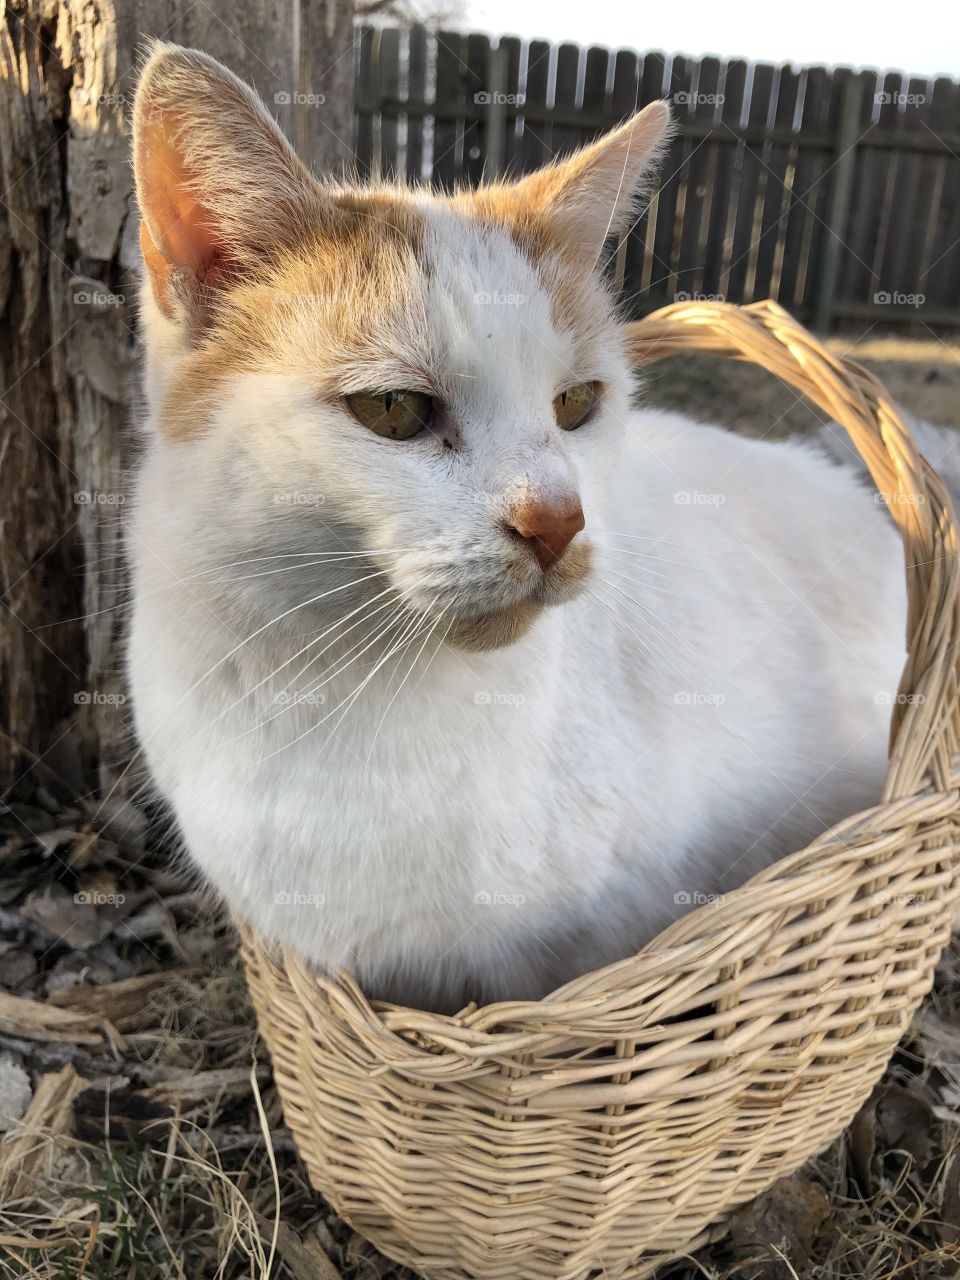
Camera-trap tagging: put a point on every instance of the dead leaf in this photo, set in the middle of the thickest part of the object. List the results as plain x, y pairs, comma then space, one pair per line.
17, 967
905, 1123
71, 917
863, 1147
788, 1218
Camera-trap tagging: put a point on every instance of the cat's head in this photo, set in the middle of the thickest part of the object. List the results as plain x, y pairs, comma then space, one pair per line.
421, 396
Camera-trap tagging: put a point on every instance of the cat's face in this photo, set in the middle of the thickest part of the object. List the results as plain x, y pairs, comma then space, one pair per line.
396, 397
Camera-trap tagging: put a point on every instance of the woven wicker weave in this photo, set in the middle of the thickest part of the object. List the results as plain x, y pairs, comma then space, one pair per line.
613, 1125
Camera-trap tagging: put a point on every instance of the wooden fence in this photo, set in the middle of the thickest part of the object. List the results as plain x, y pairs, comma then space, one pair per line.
835, 192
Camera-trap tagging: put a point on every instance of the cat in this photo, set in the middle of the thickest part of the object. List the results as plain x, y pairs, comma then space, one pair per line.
459, 672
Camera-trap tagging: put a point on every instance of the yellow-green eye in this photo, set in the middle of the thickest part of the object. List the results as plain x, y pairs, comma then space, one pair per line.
571, 407
398, 415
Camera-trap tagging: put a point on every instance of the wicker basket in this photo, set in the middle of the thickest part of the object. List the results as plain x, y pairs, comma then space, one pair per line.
611, 1126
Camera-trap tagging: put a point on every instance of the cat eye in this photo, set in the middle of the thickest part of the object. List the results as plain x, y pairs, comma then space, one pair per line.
571, 407
397, 415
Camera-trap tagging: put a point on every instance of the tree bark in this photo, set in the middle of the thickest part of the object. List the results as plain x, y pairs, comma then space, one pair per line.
69, 267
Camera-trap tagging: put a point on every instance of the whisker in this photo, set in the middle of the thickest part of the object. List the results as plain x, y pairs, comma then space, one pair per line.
416, 658
309, 645
227, 656
361, 646
345, 703
652, 620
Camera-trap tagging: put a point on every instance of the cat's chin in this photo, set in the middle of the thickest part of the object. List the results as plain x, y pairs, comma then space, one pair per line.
494, 629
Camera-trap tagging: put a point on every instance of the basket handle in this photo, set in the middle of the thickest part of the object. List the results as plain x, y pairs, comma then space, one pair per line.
925, 725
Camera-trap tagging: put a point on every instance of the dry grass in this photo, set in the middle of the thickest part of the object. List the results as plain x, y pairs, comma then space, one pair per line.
155, 1149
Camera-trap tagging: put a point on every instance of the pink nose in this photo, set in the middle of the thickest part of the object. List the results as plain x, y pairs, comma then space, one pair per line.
548, 528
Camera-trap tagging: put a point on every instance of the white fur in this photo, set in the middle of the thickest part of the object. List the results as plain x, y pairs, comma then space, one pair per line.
449, 823
725, 702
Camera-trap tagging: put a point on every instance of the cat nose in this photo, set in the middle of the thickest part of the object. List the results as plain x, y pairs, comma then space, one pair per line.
549, 528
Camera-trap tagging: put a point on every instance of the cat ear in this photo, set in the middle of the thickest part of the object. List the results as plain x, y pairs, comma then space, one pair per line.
220, 188
593, 194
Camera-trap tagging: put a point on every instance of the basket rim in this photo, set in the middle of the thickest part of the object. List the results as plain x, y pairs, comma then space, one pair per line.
923, 782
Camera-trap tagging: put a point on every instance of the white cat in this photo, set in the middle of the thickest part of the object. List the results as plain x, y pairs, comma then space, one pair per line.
456, 671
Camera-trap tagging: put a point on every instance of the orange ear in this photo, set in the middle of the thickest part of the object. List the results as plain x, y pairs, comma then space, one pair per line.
177, 231
219, 186
592, 194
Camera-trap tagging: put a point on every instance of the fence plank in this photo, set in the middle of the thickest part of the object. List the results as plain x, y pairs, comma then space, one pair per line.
694, 231
906, 249
475, 86
941, 277
366, 91
780, 160
932, 187
855, 275
672, 195
887, 122
448, 133
753, 189
719, 255
595, 102
534, 150
852, 91
640, 266
625, 98
512, 53
565, 138
416, 93
810, 164
388, 60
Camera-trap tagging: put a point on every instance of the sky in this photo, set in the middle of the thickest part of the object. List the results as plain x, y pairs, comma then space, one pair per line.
922, 38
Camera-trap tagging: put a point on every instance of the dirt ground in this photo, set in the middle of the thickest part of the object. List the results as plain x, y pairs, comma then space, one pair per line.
922, 375
145, 1140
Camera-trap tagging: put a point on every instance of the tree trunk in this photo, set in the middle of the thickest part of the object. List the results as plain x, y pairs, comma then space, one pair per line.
68, 275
